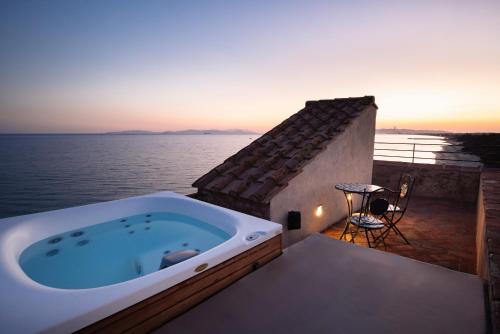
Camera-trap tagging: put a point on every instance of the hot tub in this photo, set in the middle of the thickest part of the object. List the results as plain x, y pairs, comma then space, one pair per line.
131, 263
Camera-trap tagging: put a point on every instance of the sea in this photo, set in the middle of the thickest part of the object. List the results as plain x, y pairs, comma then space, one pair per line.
47, 172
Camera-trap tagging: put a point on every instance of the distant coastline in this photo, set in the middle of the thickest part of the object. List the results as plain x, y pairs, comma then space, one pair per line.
185, 132
143, 132
397, 131
486, 146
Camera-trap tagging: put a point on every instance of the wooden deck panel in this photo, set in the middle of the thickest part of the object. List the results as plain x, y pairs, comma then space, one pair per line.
160, 308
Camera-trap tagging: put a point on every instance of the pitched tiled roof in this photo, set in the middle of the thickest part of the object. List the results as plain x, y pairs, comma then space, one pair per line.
260, 170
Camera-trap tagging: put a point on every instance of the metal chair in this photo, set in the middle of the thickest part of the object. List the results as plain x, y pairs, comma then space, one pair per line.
365, 220
398, 205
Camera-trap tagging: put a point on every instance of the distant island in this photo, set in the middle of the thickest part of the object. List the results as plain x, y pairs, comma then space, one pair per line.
411, 132
184, 132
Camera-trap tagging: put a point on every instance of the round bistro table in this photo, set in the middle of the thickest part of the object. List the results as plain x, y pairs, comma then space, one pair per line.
356, 188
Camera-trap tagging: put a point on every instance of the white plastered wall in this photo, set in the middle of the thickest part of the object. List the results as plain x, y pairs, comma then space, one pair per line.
348, 158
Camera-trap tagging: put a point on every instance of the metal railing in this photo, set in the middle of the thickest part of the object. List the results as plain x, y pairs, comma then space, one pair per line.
415, 152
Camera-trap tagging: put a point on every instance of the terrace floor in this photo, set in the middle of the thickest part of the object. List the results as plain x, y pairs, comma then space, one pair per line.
440, 232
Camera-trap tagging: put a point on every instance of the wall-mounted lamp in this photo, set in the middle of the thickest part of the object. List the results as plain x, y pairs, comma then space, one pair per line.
319, 211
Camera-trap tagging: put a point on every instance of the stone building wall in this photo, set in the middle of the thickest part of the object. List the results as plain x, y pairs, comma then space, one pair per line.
488, 241
433, 181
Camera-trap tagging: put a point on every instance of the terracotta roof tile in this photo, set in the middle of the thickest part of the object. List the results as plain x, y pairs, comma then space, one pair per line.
264, 189
236, 187
263, 168
218, 183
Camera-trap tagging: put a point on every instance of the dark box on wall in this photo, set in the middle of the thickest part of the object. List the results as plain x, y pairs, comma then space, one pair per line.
293, 220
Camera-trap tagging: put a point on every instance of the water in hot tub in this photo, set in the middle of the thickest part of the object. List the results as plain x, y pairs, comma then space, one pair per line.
116, 251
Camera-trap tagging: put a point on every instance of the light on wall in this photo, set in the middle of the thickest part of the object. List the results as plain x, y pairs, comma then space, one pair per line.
319, 211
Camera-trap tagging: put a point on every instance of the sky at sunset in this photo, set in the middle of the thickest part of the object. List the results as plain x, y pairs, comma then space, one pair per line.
95, 66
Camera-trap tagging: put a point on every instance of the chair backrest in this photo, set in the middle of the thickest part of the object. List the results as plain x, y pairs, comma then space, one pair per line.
406, 185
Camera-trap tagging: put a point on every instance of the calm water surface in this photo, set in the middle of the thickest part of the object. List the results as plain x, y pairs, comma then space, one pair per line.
47, 172
386, 143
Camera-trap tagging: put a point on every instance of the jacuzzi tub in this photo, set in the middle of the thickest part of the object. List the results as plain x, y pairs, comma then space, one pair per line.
34, 301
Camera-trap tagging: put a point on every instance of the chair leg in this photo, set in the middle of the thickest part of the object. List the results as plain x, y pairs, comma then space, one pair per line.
392, 226
374, 239
385, 233
344, 232
383, 240
353, 236
396, 229
377, 239
367, 238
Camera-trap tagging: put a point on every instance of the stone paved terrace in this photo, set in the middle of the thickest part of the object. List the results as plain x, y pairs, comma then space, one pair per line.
440, 232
